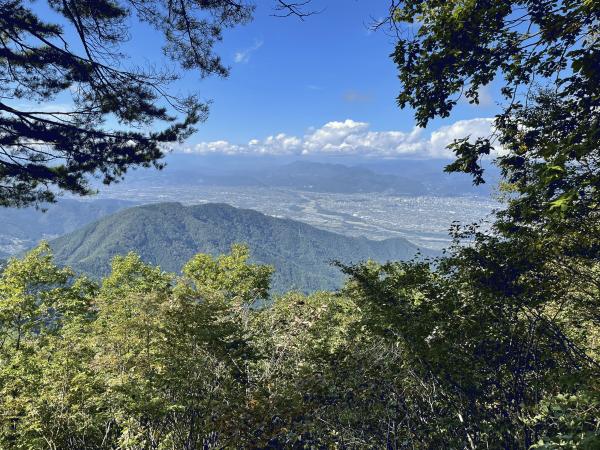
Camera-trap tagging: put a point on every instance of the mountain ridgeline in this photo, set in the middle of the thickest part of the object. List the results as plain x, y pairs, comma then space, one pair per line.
337, 178
404, 177
169, 234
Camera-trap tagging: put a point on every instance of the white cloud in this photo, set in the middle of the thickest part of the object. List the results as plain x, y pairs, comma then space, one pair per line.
243, 56
354, 138
475, 128
485, 96
46, 107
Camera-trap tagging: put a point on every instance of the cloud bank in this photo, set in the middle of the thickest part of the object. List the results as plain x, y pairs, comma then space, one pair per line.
354, 139
243, 56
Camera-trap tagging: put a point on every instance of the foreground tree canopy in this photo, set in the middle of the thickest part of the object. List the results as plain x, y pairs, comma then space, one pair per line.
532, 279
402, 357
71, 53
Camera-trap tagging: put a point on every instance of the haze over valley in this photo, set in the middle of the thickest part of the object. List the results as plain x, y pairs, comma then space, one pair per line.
410, 199
355, 201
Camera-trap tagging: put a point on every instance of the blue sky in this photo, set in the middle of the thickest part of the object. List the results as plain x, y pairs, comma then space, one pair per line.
289, 75
323, 85
328, 67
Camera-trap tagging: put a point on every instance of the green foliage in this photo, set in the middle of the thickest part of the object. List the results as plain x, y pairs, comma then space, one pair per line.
546, 56
496, 345
508, 325
467, 355
230, 274
500, 337
36, 297
41, 306
144, 361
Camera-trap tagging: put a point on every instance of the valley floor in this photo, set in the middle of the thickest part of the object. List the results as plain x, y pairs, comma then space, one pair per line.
423, 220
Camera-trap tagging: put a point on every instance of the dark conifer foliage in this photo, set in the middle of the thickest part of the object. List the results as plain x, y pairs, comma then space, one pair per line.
45, 149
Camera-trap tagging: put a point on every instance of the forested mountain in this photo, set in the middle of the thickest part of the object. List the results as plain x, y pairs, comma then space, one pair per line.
169, 234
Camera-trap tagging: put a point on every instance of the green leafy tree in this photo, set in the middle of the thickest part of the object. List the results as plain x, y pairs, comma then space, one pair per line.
506, 327
324, 379
129, 350
231, 275
36, 297
546, 56
489, 340
301, 341
172, 354
212, 338
37, 300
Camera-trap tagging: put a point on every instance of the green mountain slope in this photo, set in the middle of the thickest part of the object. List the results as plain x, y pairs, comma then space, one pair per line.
169, 234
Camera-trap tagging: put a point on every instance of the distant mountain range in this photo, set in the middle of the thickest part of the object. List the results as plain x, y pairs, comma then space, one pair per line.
434, 180
397, 177
169, 234
337, 178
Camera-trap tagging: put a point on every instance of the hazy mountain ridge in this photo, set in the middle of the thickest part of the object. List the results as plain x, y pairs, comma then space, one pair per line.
398, 177
169, 234
338, 178
22, 228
